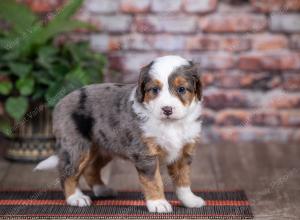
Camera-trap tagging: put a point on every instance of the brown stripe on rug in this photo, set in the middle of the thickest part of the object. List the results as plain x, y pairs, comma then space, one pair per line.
51, 204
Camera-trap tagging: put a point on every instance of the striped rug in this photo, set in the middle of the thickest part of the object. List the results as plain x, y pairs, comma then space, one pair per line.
50, 204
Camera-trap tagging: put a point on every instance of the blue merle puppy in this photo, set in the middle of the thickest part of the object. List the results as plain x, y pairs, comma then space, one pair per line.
156, 119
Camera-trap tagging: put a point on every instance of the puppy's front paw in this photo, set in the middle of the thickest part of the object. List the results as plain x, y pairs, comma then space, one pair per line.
159, 206
103, 191
188, 198
193, 201
79, 199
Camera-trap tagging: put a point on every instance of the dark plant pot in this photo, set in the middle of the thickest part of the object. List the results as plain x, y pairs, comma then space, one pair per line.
32, 139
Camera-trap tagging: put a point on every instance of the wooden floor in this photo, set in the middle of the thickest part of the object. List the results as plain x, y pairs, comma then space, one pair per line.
270, 175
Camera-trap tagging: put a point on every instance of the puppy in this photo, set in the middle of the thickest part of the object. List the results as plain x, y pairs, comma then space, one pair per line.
156, 119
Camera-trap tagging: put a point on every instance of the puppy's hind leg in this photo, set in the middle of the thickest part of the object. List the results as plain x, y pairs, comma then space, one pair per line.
92, 175
71, 166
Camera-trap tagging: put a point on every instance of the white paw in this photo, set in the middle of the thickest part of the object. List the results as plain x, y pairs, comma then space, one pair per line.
193, 202
188, 198
159, 206
79, 199
103, 191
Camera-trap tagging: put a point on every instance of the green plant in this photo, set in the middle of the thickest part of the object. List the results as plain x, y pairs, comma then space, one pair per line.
33, 68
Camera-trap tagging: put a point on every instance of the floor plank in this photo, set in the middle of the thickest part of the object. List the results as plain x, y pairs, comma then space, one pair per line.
22, 176
270, 175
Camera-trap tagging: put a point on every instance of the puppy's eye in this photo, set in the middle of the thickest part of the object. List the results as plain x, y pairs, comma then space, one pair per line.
155, 90
181, 90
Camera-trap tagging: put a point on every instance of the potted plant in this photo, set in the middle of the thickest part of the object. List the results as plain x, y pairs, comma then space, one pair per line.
36, 72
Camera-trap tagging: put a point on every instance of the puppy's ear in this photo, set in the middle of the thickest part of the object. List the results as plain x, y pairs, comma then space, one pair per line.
143, 79
197, 79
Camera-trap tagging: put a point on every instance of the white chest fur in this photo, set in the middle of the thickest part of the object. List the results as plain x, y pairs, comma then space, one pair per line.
172, 136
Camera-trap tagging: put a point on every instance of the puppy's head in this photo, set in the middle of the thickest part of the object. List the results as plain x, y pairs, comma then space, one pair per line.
169, 87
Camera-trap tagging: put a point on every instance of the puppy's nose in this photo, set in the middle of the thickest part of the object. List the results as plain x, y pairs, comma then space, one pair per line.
167, 110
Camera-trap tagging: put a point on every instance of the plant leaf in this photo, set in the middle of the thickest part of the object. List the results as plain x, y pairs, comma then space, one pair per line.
78, 77
42, 78
16, 107
10, 56
5, 87
54, 93
68, 10
5, 126
25, 85
29, 41
58, 27
20, 69
60, 23
9, 43
18, 15
38, 94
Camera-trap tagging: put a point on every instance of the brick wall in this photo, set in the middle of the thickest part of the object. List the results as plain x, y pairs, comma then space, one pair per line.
249, 52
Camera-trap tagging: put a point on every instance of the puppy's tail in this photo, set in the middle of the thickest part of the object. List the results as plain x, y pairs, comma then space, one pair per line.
47, 164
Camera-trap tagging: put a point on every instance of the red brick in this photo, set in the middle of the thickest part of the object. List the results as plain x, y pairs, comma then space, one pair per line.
259, 81
295, 136
250, 62
103, 7
275, 61
282, 100
220, 99
104, 43
214, 42
267, 42
295, 41
238, 80
208, 78
290, 118
232, 118
291, 81
113, 23
132, 62
212, 78
203, 6
166, 23
169, 43
276, 5
115, 62
249, 80
233, 23
213, 61
135, 6
207, 117
149, 42
286, 23
265, 118
166, 5
137, 42
235, 44
234, 7
43, 6
202, 43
